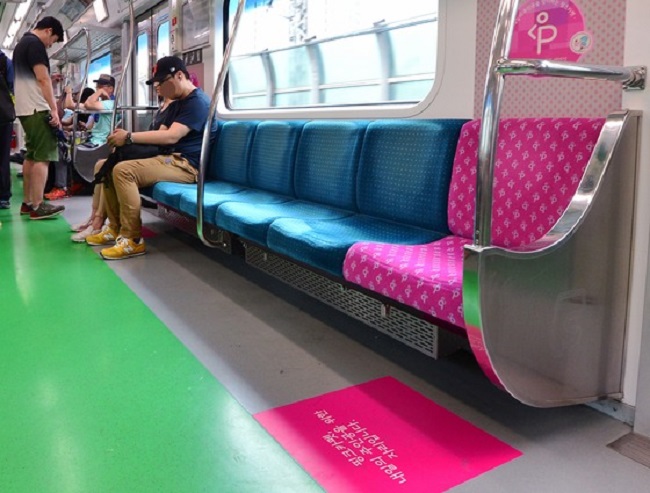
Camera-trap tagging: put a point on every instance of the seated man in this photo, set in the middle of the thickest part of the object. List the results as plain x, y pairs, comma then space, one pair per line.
180, 137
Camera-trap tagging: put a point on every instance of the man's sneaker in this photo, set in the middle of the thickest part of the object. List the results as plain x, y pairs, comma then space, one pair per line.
80, 236
5, 204
105, 237
25, 209
46, 211
124, 248
57, 194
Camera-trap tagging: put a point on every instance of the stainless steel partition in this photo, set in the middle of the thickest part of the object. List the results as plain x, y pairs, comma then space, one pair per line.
547, 321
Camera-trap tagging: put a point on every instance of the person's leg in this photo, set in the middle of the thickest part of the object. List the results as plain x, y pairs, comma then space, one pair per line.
41, 149
111, 205
36, 176
129, 176
5, 167
61, 174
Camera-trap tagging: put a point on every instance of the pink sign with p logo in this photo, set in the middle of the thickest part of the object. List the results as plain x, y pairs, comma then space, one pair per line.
550, 29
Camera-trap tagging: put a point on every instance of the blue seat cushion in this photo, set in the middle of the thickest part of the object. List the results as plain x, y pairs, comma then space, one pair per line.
169, 193
213, 198
187, 198
323, 243
252, 221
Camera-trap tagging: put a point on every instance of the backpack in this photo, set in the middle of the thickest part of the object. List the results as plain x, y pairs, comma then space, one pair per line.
7, 109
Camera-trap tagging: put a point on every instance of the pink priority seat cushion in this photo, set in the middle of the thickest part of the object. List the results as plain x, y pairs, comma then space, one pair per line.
426, 277
539, 165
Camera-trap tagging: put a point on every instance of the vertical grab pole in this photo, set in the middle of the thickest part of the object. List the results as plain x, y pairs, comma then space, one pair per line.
205, 145
118, 90
490, 122
75, 118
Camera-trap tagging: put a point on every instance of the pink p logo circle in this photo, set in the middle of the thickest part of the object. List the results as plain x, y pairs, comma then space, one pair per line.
550, 29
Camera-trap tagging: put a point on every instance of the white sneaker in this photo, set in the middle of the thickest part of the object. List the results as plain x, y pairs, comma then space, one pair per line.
80, 226
80, 236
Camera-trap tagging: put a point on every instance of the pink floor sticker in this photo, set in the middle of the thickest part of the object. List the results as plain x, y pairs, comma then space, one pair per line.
147, 233
383, 436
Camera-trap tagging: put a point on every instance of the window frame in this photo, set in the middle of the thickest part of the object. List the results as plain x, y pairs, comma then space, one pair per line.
388, 109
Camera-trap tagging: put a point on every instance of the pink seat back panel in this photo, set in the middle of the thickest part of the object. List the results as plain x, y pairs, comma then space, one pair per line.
538, 167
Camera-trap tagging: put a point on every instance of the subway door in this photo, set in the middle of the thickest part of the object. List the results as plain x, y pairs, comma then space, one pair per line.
152, 43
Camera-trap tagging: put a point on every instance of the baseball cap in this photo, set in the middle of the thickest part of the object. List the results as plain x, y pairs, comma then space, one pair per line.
105, 80
167, 65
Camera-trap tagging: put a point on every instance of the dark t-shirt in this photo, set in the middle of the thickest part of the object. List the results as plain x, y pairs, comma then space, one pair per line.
193, 113
29, 52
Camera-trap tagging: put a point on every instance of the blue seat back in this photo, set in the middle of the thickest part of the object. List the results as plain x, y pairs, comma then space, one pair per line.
405, 170
273, 156
230, 156
327, 161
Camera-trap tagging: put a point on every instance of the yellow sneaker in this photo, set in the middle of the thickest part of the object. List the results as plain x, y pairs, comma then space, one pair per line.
124, 248
105, 237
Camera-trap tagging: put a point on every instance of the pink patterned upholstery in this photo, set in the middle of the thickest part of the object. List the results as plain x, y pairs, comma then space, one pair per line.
427, 277
539, 165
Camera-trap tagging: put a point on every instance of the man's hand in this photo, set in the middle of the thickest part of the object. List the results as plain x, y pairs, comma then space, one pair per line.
117, 138
54, 120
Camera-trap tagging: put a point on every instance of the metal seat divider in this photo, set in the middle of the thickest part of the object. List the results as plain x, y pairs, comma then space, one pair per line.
205, 144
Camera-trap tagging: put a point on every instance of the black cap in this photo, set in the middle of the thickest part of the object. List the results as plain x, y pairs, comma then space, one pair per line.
105, 80
166, 66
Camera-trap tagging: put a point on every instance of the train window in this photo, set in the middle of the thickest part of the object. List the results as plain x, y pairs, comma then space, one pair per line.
98, 66
163, 46
248, 79
331, 52
142, 69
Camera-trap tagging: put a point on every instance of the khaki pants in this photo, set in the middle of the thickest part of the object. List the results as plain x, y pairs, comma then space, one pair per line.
121, 194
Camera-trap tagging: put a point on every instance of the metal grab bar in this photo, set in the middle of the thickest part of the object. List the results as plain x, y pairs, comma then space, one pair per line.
488, 135
119, 108
83, 84
499, 67
205, 144
118, 90
631, 77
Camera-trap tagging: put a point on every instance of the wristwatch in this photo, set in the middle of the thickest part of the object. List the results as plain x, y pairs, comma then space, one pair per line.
128, 141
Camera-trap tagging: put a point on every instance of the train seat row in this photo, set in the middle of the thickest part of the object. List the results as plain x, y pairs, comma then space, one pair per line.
537, 171
386, 205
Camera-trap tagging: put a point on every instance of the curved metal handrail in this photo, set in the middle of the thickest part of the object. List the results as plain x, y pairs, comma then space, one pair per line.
499, 67
125, 68
560, 339
205, 144
578, 208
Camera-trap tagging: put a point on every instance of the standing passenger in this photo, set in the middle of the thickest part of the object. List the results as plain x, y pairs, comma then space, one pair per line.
6, 84
36, 108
